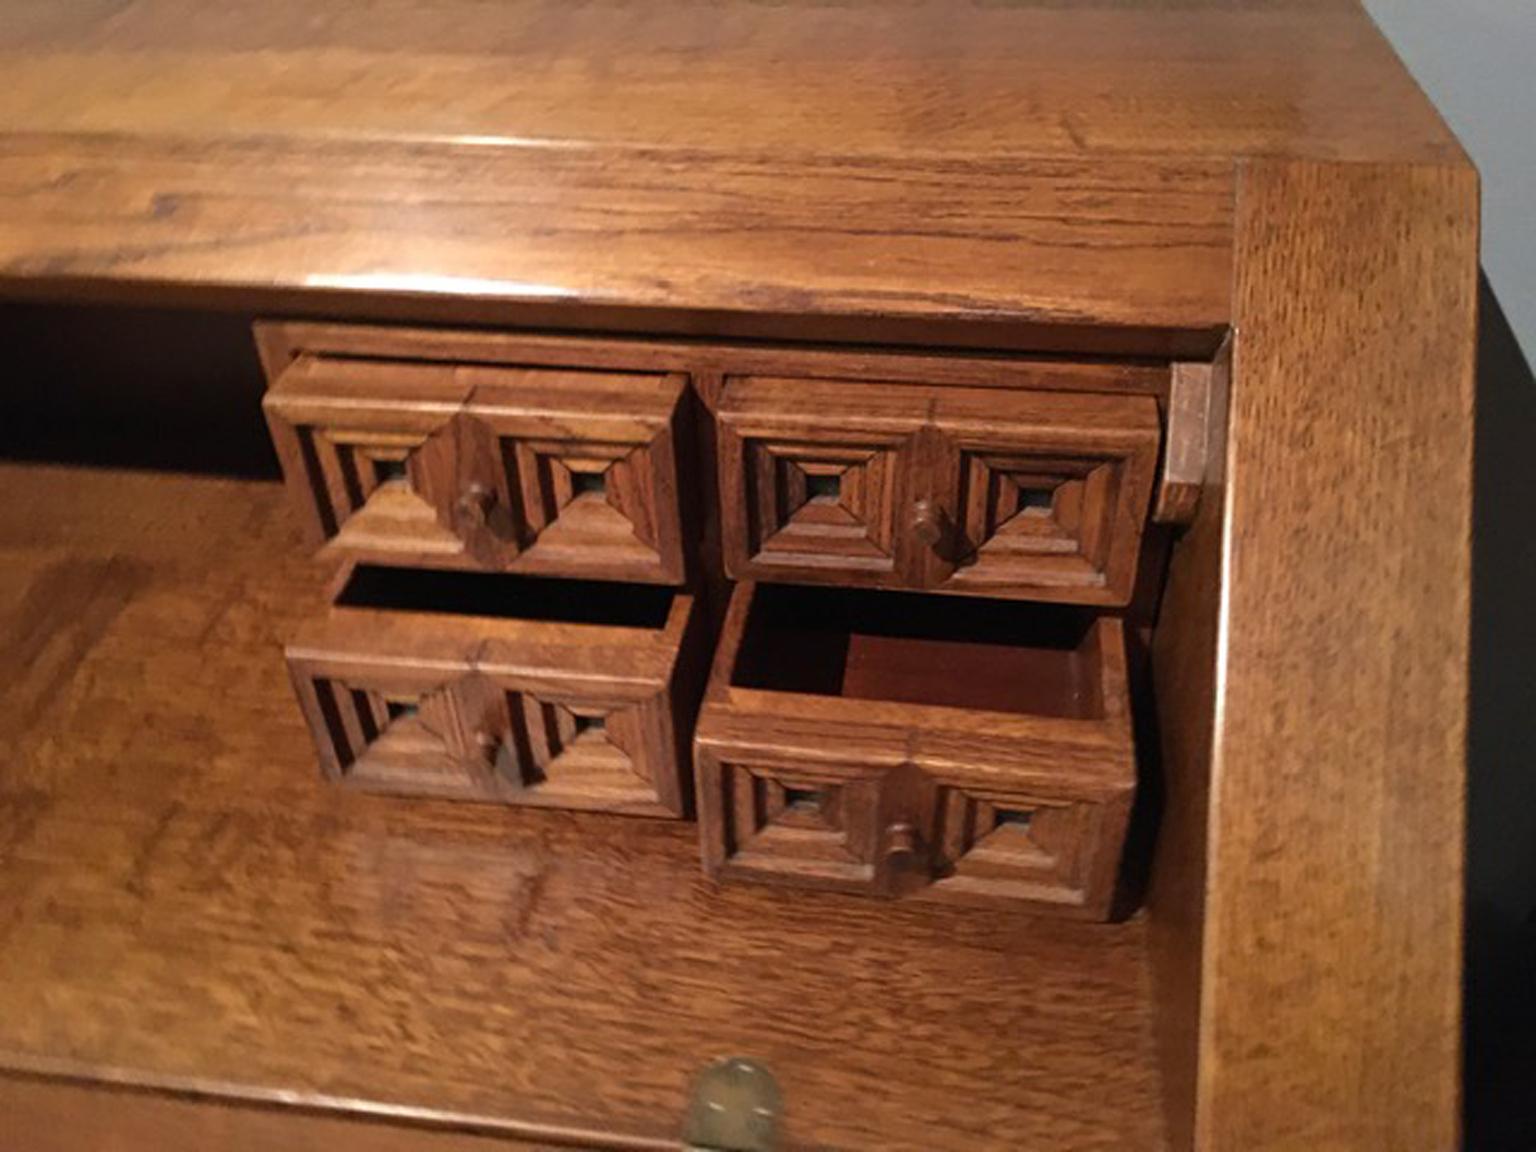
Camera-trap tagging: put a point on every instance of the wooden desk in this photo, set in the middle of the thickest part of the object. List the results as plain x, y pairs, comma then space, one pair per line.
202, 945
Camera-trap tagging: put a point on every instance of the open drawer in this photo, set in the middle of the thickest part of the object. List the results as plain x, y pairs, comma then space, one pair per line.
519, 690
989, 492
500, 469
930, 747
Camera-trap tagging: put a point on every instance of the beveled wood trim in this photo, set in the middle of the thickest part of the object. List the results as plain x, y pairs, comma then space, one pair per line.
1120, 251
50, 1106
1331, 989
281, 341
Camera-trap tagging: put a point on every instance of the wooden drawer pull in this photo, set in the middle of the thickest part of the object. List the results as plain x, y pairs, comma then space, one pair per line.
930, 524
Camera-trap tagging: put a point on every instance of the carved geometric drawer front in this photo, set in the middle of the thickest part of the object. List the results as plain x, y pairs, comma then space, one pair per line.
812, 825
813, 479
1014, 847
999, 492
542, 712
1050, 496
498, 469
906, 745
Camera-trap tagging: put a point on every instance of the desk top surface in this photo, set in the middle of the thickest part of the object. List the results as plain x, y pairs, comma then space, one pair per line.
1015, 163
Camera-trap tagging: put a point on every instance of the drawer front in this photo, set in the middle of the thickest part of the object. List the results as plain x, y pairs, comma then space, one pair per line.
989, 845
817, 479
1042, 496
495, 469
1011, 494
884, 783
812, 823
588, 718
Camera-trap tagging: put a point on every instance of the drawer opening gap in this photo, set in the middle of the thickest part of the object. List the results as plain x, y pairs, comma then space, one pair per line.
989, 655
508, 597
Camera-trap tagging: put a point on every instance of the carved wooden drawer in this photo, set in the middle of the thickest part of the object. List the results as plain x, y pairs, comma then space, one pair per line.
993, 492
501, 469
520, 690
933, 747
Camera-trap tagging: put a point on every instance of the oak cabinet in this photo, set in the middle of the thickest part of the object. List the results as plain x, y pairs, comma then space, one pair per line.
971, 341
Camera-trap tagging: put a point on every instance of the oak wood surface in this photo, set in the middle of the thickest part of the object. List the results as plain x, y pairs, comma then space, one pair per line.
1330, 1011
282, 342
568, 708
907, 780
54, 1114
181, 903
503, 470
1039, 496
529, 234
1297, 77
1020, 169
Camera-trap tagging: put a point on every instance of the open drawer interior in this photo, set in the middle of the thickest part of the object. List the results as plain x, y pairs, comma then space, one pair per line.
986, 656
901, 746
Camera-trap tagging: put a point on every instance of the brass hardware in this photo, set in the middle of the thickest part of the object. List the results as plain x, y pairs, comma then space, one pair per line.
735, 1107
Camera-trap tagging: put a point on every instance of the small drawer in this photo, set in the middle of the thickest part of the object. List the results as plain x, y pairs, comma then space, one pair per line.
519, 690
985, 492
927, 747
527, 470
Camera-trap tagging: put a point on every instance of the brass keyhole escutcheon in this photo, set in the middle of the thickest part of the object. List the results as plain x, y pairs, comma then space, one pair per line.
735, 1107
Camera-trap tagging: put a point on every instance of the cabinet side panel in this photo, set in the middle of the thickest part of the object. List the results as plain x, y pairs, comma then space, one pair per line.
1333, 934
1184, 651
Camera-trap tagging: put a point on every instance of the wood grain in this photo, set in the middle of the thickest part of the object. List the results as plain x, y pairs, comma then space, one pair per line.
528, 234
181, 902
1332, 963
1184, 688
525, 707
281, 342
521, 470
1057, 175
974, 79
46, 1114
911, 782
1023, 495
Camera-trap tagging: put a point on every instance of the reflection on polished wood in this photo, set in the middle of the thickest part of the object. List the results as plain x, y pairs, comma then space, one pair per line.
962, 197
183, 901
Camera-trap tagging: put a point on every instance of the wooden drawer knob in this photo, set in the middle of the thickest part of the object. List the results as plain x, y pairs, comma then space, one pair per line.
929, 523
475, 505
901, 842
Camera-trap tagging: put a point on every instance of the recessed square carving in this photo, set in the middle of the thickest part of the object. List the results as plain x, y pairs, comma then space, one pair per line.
1048, 521
811, 504
1013, 848
826, 486
501, 470
773, 823
469, 739
388, 469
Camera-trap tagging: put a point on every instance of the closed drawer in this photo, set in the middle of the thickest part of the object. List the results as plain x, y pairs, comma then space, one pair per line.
920, 747
989, 492
563, 694
539, 471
